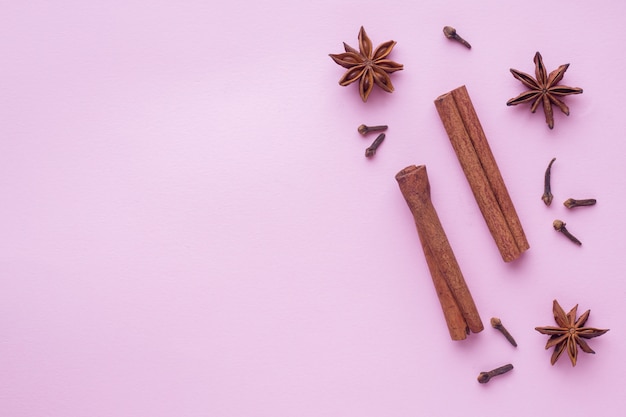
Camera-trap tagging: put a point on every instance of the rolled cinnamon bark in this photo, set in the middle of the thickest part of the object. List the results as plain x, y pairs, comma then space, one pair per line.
454, 296
470, 144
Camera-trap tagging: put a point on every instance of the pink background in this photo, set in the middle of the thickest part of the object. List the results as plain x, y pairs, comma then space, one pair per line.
190, 227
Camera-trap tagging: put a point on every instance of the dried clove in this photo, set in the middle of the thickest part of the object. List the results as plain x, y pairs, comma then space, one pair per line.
364, 130
547, 192
484, 377
371, 151
559, 226
496, 323
450, 33
571, 203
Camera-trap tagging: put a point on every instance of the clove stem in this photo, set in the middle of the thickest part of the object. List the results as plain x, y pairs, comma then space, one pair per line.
484, 377
450, 33
496, 323
571, 203
547, 192
559, 226
363, 129
371, 151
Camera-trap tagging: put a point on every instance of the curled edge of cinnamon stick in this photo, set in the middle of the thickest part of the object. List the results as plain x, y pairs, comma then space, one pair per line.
470, 144
456, 301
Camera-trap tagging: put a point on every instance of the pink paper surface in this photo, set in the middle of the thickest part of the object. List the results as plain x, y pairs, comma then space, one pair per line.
190, 227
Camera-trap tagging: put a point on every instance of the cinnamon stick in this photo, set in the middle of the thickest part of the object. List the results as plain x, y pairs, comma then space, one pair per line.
454, 296
470, 144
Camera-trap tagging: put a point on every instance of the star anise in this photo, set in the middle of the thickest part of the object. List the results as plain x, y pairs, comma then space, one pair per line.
569, 334
544, 89
367, 66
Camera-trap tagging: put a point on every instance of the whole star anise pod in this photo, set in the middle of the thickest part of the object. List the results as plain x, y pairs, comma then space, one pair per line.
569, 334
544, 89
367, 66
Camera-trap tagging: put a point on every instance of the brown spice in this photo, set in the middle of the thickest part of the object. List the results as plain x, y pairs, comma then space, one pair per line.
456, 300
571, 202
368, 66
364, 129
371, 151
450, 33
547, 188
569, 333
543, 89
496, 323
472, 149
484, 377
559, 226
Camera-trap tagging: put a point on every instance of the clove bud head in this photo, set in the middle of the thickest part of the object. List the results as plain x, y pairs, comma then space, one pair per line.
496, 322
449, 31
